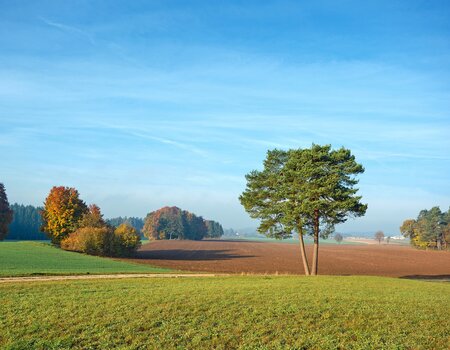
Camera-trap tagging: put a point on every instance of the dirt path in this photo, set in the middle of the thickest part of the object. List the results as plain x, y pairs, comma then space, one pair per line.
221, 256
90, 277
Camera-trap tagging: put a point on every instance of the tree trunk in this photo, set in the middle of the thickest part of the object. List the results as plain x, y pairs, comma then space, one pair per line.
315, 262
303, 252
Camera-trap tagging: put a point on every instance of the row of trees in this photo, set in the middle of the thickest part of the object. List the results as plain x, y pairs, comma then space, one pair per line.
27, 223
174, 223
431, 229
73, 225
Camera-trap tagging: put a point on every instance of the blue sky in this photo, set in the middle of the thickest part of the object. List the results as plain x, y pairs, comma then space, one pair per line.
145, 104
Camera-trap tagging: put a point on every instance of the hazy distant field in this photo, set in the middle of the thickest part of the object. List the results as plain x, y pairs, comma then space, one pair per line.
31, 258
226, 313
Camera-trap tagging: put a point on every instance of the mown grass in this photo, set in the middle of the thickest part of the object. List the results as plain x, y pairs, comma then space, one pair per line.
245, 312
33, 258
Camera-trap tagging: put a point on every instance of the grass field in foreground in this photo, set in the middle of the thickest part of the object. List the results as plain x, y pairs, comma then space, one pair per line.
31, 258
226, 313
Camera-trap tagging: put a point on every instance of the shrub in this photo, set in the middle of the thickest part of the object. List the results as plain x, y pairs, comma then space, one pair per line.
91, 240
103, 241
127, 240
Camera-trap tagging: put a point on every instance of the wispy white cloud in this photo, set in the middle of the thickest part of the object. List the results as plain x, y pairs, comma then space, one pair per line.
177, 144
139, 133
69, 29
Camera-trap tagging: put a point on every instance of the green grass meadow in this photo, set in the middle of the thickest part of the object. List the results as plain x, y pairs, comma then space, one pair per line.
242, 312
37, 258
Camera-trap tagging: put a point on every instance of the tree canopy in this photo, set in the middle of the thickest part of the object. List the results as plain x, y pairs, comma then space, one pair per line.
129, 239
62, 213
304, 191
431, 229
175, 223
92, 217
6, 214
214, 229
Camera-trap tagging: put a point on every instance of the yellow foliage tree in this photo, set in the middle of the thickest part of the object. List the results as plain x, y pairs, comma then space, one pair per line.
129, 239
63, 210
90, 240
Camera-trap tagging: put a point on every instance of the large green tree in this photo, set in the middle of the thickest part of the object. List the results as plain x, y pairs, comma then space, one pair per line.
6, 214
307, 191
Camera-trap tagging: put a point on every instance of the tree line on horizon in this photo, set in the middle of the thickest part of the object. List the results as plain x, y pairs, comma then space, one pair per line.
71, 224
27, 225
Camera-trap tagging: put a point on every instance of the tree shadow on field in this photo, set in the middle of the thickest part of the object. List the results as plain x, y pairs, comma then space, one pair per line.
436, 278
185, 254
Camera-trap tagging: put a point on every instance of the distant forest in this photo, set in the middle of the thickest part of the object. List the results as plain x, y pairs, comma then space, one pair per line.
26, 223
137, 223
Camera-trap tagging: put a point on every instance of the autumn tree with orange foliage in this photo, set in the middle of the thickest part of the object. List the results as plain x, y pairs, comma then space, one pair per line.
164, 223
93, 217
62, 213
90, 240
95, 237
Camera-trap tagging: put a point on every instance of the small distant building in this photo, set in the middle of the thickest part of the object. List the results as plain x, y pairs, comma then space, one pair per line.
398, 237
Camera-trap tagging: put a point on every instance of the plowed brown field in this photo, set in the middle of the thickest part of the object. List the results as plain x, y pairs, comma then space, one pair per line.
260, 257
